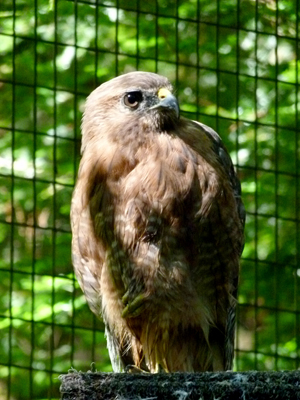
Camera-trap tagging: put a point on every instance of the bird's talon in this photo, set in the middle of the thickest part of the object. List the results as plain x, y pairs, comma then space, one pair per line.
135, 307
133, 369
125, 298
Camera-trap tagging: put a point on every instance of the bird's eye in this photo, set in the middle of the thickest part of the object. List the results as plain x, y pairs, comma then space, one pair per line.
133, 99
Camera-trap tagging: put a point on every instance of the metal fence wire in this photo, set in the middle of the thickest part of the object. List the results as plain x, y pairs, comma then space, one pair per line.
235, 67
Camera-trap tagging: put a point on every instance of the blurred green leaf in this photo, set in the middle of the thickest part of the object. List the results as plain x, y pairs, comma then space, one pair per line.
234, 69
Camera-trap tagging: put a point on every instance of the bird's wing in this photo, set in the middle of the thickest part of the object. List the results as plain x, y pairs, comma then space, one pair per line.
224, 225
222, 153
88, 252
98, 259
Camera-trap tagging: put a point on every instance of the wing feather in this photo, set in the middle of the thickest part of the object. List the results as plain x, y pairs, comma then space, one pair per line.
157, 223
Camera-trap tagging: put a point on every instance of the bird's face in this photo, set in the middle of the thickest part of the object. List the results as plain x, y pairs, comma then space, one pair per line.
143, 101
134, 98
156, 108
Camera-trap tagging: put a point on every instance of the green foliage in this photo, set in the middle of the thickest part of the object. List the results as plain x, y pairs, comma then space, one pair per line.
234, 65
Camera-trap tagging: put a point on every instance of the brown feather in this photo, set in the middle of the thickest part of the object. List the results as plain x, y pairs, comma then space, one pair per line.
157, 226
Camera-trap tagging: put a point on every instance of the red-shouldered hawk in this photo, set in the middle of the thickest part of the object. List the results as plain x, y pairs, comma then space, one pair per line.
157, 222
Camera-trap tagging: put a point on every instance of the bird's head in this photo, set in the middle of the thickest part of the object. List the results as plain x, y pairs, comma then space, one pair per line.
136, 98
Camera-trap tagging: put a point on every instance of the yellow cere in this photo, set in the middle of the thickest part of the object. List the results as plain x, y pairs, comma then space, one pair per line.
163, 93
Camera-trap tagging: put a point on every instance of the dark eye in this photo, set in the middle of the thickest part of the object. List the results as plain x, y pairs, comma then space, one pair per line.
133, 99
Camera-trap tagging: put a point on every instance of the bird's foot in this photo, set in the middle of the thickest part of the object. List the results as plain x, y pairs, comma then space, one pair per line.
133, 369
159, 369
135, 307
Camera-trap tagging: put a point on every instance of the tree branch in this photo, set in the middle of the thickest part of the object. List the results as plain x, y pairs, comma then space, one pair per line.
181, 386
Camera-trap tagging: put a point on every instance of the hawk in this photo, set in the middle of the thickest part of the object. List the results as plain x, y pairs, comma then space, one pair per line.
157, 229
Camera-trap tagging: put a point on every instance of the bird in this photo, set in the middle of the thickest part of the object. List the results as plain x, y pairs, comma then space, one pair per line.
157, 225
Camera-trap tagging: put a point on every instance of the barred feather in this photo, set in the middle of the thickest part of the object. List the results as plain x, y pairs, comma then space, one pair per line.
157, 222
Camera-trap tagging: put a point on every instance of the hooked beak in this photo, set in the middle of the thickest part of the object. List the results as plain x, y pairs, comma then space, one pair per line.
167, 100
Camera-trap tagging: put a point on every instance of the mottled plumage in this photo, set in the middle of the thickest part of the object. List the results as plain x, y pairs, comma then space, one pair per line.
157, 224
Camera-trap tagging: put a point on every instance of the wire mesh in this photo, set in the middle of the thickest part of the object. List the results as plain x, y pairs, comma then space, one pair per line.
235, 67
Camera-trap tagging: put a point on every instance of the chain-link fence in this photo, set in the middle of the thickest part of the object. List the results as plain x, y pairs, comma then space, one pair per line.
235, 67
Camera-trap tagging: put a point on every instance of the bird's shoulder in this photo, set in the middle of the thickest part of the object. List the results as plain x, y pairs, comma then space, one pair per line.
206, 142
